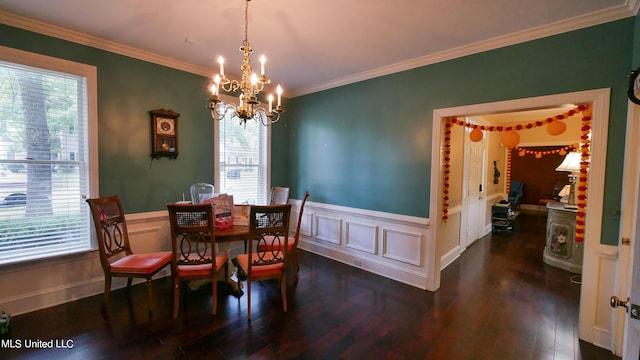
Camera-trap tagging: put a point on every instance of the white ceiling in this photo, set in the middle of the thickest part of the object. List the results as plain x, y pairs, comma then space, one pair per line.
310, 45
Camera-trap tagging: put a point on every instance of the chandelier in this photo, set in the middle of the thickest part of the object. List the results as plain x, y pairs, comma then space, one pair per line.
250, 85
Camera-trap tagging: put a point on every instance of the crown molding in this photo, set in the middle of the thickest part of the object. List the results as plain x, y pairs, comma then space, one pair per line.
630, 8
98, 43
575, 23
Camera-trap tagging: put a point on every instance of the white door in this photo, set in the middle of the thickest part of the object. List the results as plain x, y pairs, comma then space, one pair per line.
626, 321
631, 340
472, 196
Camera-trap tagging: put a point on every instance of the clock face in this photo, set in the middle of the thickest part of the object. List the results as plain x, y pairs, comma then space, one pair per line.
165, 126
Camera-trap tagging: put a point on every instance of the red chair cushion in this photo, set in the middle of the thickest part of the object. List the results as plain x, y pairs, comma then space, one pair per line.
145, 263
262, 270
203, 269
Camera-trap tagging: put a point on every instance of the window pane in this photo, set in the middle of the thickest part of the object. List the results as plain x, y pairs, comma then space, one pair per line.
243, 161
43, 163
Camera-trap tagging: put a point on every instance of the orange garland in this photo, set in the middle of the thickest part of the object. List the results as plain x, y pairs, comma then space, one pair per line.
583, 177
519, 127
586, 112
508, 179
538, 154
447, 170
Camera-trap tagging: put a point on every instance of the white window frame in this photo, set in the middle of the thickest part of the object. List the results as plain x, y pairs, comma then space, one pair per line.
88, 72
216, 150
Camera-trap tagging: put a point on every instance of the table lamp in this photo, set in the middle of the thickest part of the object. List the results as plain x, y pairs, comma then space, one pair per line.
571, 164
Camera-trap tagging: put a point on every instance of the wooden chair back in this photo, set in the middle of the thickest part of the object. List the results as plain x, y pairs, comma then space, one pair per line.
193, 244
116, 255
304, 201
268, 226
111, 229
192, 234
279, 195
267, 253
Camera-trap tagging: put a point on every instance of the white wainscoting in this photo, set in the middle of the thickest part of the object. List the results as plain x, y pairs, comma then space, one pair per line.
394, 246
600, 333
391, 245
40, 284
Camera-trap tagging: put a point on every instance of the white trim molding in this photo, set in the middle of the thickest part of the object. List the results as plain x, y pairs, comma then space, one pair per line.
390, 245
590, 328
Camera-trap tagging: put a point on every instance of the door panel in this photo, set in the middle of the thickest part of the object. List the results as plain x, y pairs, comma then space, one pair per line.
473, 182
630, 224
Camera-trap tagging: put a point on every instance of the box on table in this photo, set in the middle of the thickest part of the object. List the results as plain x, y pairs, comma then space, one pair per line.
222, 210
241, 215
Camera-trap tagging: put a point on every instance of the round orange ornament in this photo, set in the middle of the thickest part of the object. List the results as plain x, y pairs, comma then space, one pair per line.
476, 135
510, 139
556, 128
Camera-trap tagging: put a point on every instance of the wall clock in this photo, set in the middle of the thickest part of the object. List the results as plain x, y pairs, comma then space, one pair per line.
164, 133
634, 87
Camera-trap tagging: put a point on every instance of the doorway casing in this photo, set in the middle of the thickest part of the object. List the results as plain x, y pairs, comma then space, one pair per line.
592, 288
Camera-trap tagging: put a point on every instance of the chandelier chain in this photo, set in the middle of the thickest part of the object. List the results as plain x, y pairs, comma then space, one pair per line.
246, 24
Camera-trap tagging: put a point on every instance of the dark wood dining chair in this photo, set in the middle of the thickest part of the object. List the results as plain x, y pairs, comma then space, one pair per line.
292, 244
279, 195
267, 224
193, 245
116, 256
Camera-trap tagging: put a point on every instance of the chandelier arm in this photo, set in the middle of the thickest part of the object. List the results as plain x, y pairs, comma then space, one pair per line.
277, 118
265, 118
261, 116
230, 86
217, 113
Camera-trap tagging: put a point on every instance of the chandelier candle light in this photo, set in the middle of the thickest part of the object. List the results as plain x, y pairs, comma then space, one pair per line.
250, 86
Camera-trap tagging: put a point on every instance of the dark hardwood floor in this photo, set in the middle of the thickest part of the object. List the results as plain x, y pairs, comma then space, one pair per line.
497, 301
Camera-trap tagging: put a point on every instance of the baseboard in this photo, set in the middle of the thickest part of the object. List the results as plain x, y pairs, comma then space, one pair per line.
449, 257
37, 300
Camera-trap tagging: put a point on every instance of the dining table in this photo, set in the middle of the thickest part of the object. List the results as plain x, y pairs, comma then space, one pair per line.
232, 233
226, 236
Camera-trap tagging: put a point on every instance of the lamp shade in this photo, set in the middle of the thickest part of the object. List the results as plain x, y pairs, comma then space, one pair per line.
570, 163
566, 190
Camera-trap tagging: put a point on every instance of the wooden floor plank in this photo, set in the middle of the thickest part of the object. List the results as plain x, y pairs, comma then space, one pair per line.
497, 301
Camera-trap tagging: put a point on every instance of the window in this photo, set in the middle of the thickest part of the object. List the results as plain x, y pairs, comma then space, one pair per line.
243, 160
47, 114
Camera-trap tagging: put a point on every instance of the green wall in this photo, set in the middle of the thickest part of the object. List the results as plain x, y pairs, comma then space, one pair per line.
365, 145
127, 90
636, 43
368, 145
